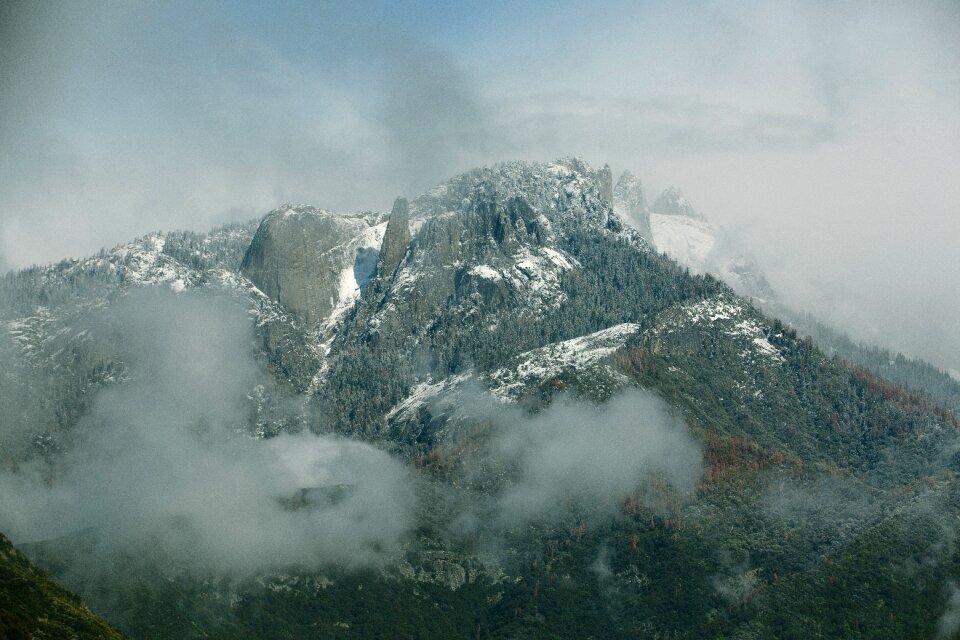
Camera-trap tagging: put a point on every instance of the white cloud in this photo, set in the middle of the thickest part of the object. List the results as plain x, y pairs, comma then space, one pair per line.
830, 133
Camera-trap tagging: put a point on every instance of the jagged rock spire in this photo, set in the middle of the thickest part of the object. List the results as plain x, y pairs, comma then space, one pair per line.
630, 203
605, 178
395, 239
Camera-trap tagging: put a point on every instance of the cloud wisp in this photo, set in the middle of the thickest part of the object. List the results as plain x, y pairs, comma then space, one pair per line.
830, 134
575, 459
162, 464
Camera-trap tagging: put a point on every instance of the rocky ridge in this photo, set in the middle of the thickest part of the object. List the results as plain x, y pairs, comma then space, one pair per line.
522, 281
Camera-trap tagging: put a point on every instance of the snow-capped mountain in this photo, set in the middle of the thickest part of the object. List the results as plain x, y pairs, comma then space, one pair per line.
593, 423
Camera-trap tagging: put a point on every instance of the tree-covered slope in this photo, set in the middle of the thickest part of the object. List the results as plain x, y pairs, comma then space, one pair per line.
33, 606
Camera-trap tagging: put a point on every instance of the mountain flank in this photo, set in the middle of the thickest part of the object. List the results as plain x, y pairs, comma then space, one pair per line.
596, 440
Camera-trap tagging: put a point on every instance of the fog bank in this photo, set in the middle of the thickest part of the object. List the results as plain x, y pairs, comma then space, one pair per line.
164, 464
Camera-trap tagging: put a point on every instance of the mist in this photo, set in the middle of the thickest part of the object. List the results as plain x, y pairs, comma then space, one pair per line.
949, 623
576, 460
828, 135
821, 509
164, 466
22, 399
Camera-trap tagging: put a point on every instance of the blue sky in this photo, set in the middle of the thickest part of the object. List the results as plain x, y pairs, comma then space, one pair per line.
827, 134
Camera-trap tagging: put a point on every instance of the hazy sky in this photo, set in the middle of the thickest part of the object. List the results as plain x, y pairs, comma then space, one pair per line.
826, 134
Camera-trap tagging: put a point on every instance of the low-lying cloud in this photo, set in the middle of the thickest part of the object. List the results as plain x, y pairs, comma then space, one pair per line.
949, 623
163, 460
582, 459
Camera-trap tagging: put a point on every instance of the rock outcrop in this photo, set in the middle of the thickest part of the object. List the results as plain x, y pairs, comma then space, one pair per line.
672, 202
306, 258
605, 180
630, 203
396, 239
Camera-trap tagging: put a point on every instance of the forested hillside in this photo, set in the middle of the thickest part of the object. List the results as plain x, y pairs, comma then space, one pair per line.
517, 421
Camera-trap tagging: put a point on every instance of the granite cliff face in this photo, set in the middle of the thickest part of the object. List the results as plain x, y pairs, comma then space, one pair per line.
487, 240
310, 261
395, 239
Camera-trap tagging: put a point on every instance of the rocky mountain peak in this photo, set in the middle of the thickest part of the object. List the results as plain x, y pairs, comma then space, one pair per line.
605, 178
508, 301
564, 191
673, 202
630, 203
629, 192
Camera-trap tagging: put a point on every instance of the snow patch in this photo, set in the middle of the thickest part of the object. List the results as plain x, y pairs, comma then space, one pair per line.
734, 319
549, 361
486, 271
421, 394
348, 293
686, 240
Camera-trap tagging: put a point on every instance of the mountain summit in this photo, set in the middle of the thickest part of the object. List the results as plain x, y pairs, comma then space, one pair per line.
502, 409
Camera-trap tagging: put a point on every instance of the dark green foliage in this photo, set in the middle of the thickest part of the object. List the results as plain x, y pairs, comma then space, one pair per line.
807, 405
32, 606
370, 374
221, 248
912, 373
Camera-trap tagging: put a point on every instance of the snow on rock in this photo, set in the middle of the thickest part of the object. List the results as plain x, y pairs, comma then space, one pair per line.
370, 239
32, 332
689, 241
531, 367
568, 189
560, 259
486, 271
735, 319
536, 274
143, 262
422, 394
549, 361
42, 338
